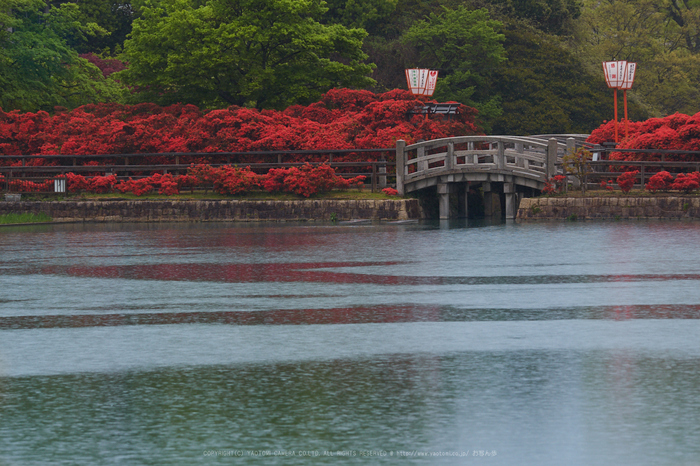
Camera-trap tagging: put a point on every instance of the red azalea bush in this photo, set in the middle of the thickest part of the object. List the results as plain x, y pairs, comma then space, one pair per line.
342, 119
626, 180
390, 192
686, 182
554, 185
607, 185
661, 181
674, 132
306, 181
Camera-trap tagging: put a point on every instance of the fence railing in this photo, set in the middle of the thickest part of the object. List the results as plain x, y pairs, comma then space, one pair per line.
373, 164
601, 168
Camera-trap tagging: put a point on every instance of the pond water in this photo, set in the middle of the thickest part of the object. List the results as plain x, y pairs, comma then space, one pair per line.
542, 344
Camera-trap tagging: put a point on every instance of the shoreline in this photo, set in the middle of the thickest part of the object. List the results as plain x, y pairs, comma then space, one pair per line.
610, 208
218, 210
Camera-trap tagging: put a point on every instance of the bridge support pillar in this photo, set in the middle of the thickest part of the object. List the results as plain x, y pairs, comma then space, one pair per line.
465, 193
444, 191
488, 199
511, 200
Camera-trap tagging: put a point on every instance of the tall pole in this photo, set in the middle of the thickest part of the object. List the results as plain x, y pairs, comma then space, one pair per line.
627, 126
617, 139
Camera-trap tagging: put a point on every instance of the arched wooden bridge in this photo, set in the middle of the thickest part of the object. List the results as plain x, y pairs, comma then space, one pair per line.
505, 167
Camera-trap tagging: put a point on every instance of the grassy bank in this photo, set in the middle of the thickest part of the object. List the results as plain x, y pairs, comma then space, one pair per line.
8, 219
202, 196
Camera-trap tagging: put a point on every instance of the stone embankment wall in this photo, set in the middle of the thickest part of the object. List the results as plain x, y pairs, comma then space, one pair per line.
554, 208
219, 210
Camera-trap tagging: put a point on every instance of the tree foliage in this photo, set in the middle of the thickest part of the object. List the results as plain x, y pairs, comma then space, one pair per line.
38, 69
662, 36
261, 53
466, 47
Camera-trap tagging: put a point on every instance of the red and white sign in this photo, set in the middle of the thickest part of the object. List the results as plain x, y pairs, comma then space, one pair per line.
421, 81
628, 78
619, 74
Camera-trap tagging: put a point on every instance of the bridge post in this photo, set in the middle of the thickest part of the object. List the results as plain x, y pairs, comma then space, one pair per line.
400, 166
449, 161
520, 149
444, 190
511, 200
466, 201
551, 158
501, 155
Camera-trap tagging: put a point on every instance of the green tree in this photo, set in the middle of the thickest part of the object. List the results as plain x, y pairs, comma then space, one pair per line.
466, 46
552, 16
545, 89
38, 70
262, 53
114, 18
365, 14
661, 36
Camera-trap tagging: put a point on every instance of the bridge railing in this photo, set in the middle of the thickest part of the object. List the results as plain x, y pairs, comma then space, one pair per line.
526, 156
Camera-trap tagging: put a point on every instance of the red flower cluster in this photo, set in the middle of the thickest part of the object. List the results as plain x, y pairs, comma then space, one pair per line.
106, 65
686, 182
607, 185
675, 132
626, 180
304, 181
661, 181
342, 119
554, 185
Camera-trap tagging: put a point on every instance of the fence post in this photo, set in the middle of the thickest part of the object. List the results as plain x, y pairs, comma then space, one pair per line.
374, 177
382, 174
551, 158
400, 165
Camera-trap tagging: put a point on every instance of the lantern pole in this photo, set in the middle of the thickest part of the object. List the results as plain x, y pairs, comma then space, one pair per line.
627, 126
617, 139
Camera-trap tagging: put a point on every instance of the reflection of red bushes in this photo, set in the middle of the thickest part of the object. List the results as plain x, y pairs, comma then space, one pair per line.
342, 119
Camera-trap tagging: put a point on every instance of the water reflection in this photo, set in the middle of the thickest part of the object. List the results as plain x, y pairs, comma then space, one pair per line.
545, 343
352, 315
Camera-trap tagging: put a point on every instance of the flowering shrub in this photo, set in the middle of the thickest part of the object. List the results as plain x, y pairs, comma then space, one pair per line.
304, 181
626, 180
102, 184
76, 183
230, 180
554, 185
607, 185
307, 180
686, 182
342, 119
674, 132
390, 192
661, 181
31, 186
139, 187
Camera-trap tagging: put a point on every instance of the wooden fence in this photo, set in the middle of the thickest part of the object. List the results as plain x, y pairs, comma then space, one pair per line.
373, 164
601, 168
